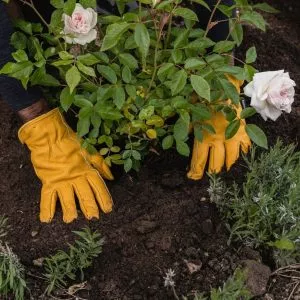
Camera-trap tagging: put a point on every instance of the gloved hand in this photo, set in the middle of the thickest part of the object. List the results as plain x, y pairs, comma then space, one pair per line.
217, 147
65, 169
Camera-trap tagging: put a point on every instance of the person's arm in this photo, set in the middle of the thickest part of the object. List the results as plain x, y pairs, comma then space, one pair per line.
27, 103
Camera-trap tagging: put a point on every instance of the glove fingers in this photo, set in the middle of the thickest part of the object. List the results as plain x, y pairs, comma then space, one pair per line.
67, 200
47, 204
232, 153
246, 144
199, 159
86, 198
101, 192
99, 163
217, 157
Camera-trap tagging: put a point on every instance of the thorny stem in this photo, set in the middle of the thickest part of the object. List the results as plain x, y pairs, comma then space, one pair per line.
211, 17
31, 5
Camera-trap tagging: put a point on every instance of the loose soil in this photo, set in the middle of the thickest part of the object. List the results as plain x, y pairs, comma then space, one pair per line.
160, 219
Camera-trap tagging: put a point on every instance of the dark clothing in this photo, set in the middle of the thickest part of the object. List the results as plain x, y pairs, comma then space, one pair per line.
11, 89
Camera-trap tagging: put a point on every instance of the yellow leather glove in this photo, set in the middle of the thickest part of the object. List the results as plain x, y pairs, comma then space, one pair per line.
65, 169
217, 147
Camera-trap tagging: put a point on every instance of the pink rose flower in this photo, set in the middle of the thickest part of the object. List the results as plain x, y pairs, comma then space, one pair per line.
80, 26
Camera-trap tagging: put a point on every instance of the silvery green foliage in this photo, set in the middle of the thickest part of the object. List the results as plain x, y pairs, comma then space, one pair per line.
12, 278
265, 210
3, 226
233, 288
65, 266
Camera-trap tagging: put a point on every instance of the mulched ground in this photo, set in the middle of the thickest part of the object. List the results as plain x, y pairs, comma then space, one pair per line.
160, 219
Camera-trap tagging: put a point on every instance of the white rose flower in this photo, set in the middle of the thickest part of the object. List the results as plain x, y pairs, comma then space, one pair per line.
80, 26
271, 93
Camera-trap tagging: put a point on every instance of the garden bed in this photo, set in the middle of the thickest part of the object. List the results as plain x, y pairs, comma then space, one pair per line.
160, 218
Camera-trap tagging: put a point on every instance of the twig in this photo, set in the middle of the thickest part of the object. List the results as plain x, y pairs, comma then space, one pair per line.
211, 17
294, 289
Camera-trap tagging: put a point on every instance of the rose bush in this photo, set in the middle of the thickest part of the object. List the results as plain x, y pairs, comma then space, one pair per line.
141, 79
271, 93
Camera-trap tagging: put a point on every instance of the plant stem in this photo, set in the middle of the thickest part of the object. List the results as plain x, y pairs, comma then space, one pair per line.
169, 31
31, 5
211, 17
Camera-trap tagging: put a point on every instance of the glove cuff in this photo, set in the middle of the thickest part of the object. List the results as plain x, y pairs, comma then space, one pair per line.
25, 132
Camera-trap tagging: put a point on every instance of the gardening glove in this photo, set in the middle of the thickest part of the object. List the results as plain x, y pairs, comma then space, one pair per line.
65, 169
216, 146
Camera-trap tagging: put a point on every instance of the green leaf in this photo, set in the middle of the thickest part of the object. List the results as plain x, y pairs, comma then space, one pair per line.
284, 244
209, 128
127, 165
69, 7
130, 90
266, 7
20, 56
249, 72
203, 3
177, 56
230, 91
83, 126
119, 97
56, 20
178, 82
164, 70
23, 25
167, 142
81, 101
18, 40
251, 55
182, 148
224, 46
57, 3
39, 77
113, 34
108, 73
198, 132
128, 60
201, 86
146, 112
126, 74
255, 19
142, 39
194, 63
20, 71
257, 135
237, 32
182, 39
181, 129
200, 113
109, 113
88, 3
232, 128
247, 112
86, 70
73, 78
88, 59
64, 55
185, 13
66, 98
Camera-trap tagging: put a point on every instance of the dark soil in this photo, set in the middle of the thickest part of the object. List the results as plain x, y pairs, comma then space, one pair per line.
160, 219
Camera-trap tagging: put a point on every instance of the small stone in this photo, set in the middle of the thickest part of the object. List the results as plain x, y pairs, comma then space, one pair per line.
38, 262
203, 199
34, 233
146, 226
193, 266
207, 226
257, 276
